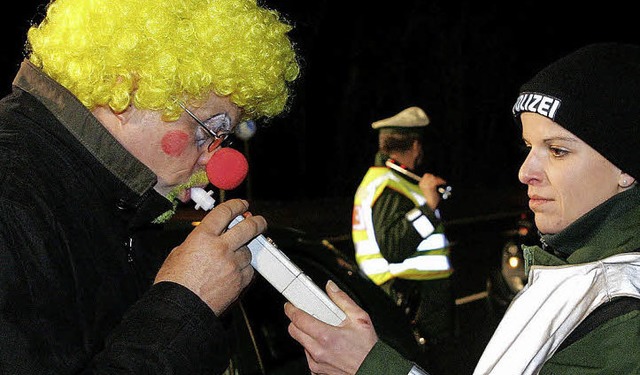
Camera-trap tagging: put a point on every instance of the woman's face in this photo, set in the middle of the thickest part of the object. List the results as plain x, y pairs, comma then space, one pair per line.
565, 177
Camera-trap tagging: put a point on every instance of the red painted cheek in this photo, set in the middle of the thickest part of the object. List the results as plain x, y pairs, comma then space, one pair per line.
175, 142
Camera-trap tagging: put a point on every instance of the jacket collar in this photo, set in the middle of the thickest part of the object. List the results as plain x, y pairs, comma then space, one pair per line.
611, 228
87, 130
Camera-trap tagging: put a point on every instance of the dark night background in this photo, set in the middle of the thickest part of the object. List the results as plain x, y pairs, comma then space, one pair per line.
461, 61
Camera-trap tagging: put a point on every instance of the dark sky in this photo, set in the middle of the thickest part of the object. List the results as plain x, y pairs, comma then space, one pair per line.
461, 61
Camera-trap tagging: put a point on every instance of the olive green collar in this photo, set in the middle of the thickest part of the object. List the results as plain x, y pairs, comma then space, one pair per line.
85, 127
611, 228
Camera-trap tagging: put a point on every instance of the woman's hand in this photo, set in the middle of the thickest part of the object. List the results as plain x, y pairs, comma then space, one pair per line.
333, 350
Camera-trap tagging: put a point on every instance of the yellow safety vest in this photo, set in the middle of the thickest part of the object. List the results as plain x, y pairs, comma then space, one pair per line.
431, 259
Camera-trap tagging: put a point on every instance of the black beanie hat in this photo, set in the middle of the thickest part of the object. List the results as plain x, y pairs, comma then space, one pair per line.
594, 93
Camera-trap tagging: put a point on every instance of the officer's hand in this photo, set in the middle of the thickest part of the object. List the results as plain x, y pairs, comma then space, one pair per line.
429, 186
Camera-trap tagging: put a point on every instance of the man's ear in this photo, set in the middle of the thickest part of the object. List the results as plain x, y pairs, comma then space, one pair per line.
110, 119
417, 145
124, 116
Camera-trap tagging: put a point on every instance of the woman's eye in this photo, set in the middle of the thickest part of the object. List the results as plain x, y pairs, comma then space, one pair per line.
558, 152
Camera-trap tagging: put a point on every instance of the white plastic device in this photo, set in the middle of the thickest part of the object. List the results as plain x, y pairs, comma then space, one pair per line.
280, 271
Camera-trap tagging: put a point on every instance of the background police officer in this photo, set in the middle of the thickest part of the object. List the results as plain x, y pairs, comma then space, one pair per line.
398, 235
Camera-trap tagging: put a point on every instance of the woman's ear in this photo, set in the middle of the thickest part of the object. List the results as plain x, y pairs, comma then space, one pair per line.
624, 181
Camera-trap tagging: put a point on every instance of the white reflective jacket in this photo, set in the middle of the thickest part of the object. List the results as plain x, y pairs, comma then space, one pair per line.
554, 302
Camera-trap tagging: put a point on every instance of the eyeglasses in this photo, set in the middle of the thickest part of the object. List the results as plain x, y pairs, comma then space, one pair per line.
218, 128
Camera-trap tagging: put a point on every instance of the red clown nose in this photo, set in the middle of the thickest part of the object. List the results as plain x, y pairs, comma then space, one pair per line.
227, 168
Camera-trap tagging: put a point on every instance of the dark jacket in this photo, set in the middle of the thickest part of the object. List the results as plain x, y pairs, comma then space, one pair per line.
76, 292
396, 237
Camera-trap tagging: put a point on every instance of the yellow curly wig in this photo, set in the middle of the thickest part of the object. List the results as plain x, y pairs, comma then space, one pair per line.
156, 54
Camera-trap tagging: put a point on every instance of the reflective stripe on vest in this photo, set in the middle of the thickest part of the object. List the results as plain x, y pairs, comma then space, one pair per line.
554, 302
431, 260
